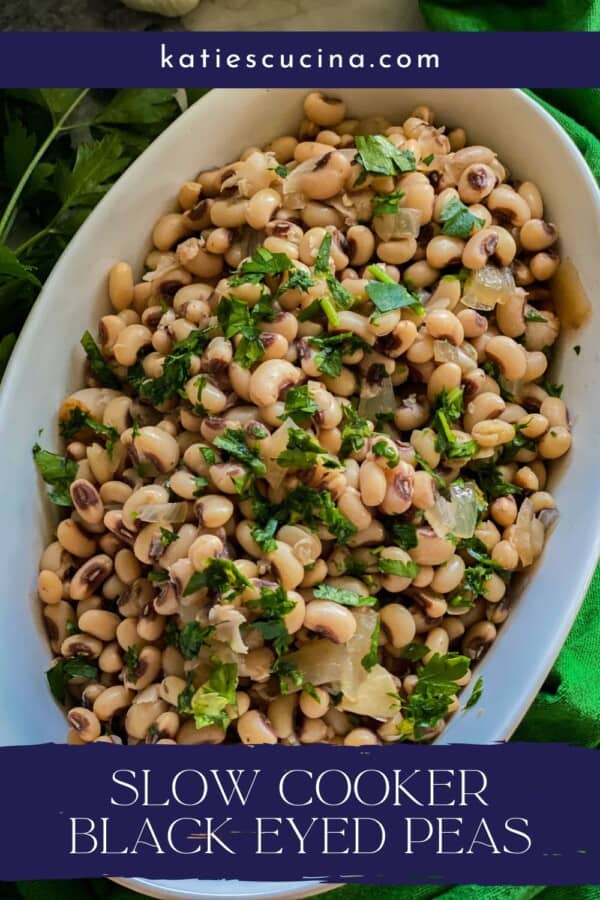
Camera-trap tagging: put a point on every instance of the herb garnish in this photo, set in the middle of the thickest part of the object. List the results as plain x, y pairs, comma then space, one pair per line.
457, 221
342, 596
58, 472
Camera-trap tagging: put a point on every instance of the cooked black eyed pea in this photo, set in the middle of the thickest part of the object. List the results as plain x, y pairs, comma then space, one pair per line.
478, 639
120, 286
168, 231
90, 576
444, 325
397, 252
254, 728
210, 734
87, 501
445, 377
476, 182
327, 176
167, 725
56, 616
111, 659
312, 731
74, 540
431, 550
151, 625
504, 510
443, 250
543, 265
281, 715
537, 235
99, 623
508, 355
399, 492
50, 587
314, 706
508, 206
156, 446
141, 716
270, 378
129, 342
324, 111
127, 634
81, 645
361, 243
330, 619
146, 670
90, 694
286, 565
420, 275
412, 412
398, 625
493, 433
360, 737
539, 335
555, 443
85, 723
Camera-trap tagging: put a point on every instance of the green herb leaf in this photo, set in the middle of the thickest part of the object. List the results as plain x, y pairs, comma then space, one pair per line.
332, 348
383, 204
191, 638
378, 156
370, 659
234, 442
428, 704
322, 259
10, 267
209, 455
262, 265
58, 472
176, 367
131, 658
209, 703
167, 537
457, 221
303, 451
476, 693
274, 604
385, 450
99, 368
532, 315
300, 405
404, 535
220, 577
354, 431
265, 535
387, 295
414, 651
79, 420
342, 596
553, 390
397, 567
64, 670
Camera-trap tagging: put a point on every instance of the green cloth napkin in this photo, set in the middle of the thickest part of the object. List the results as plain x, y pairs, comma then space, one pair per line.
512, 15
567, 709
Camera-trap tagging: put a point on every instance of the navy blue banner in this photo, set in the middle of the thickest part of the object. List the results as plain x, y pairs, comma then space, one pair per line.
299, 59
405, 814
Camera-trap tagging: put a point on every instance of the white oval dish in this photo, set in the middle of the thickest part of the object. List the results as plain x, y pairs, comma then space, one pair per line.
47, 363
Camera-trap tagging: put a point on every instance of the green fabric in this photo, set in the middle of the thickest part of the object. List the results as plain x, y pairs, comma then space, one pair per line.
512, 15
568, 707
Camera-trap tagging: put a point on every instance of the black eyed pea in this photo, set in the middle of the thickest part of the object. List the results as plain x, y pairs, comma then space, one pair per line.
533, 426
275, 346
343, 385
526, 478
90, 576
482, 212
312, 731
537, 235
294, 619
210, 734
127, 635
167, 725
189, 194
129, 316
542, 500
81, 645
398, 625
257, 664
169, 230
478, 639
172, 662
87, 501
330, 619
314, 706
49, 587
504, 511
449, 575
431, 550
350, 504
110, 660
493, 432
281, 713
135, 597
156, 446
537, 363
532, 197
56, 616
314, 574
493, 588
488, 534
420, 275
151, 625
85, 723
270, 378
199, 390
555, 411
213, 510
444, 250
394, 583
304, 543
90, 694
418, 194
204, 548
361, 244
170, 689
286, 564
112, 588
141, 716
424, 442
445, 377
438, 641
543, 265
476, 182
397, 252
539, 335
424, 576
109, 330
327, 177
229, 212
254, 728
399, 492
325, 111
361, 737
373, 483
421, 349
74, 540
115, 493
453, 627
508, 206
509, 355
149, 545
283, 147
485, 406
127, 566
442, 324
129, 342
261, 207
93, 602
243, 534
146, 670
100, 623
355, 323
555, 443
120, 286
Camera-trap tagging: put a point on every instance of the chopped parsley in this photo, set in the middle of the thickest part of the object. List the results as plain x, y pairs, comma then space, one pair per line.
131, 658
414, 651
157, 577
58, 472
209, 455
264, 535
208, 705
64, 670
262, 265
490, 481
220, 577
303, 451
553, 390
300, 406
532, 315
354, 431
298, 280
475, 694
387, 295
234, 442
313, 508
577, 349
370, 659
332, 349
79, 420
448, 409
282, 171
274, 604
384, 449
378, 156
383, 204
176, 367
342, 596
191, 638
511, 448
403, 534
397, 567
167, 536
100, 369
433, 693
236, 318
322, 258
457, 221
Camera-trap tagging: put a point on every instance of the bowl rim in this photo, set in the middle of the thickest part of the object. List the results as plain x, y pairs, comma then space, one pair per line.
503, 728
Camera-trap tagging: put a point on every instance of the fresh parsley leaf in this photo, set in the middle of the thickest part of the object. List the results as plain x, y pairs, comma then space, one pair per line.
298, 280
131, 658
387, 295
383, 204
191, 638
220, 577
490, 481
99, 368
167, 536
354, 431
274, 604
397, 567
201, 483
476, 693
434, 691
265, 535
332, 349
312, 507
64, 670
209, 455
448, 409
403, 534
427, 468
370, 659
519, 442
303, 451
262, 265
58, 472
384, 449
456, 219
282, 171
176, 367
157, 577
209, 703
342, 596
378, 156
11, 267
234, 442
577, 349
79, 420
341, 296
300, 406
532, 315
322, 258
427, 160
553, 390
414, 651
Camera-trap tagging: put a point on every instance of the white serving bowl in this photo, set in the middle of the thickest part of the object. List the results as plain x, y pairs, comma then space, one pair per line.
48, 363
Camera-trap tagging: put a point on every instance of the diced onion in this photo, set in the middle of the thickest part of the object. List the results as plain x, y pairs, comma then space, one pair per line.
521, 538
377, 398
405, 223
373, 696
487, 287
163, 512
571, 302
457, 516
